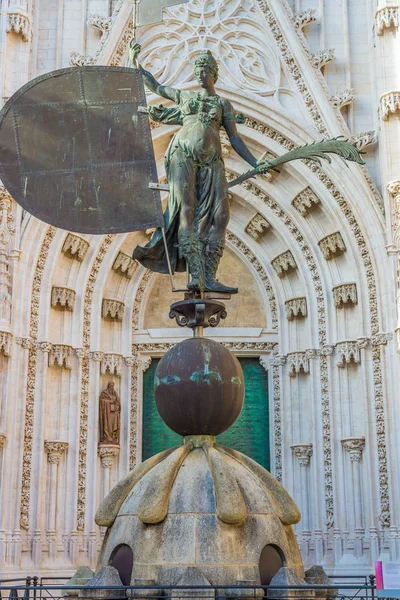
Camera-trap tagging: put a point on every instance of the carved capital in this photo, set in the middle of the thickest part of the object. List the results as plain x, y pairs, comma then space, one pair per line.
63, 297
111, 363
99, 22
393, 187
45, 347
342, 99
81, 353
299, 362
278, 360
305, 17
125, 265
131, 361
332, 245
386, 18
145, 363
107, 453
81, 60
347, 352
390, 104
257, 227
113, 309
61, 355
322, 58
346, 293
54, 451
303, 453
18, 22
5, 343
2, 440
306, 201
354, 446
284, 263
296, 308
75, 246
96, 356
364, 139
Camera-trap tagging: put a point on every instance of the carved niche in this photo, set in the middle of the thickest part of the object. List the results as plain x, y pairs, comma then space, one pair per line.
75, 246
284, 263
63, 297
125, 265
306, 201
332, 245
112, 309
296, 308
322, 57
346, 293
257, 227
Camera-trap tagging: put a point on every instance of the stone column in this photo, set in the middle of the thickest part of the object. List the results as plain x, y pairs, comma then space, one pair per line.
394, 249
355, 446
107, 453
303, 453
54, 452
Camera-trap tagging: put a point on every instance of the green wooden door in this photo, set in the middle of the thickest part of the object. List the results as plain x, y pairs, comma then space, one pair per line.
250, 433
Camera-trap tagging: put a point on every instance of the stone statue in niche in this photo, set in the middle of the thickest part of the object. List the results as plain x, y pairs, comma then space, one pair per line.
109, 415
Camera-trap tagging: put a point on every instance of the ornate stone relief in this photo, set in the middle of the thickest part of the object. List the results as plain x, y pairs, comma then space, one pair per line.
332, 245
63, 297
390, 104
347, 352
284, 263
385, 18
3, 438
342, 98
257, 227
303, 453
18, 22
114, 309
111, 363
346, 293
354, 446
99, 22
61, 355
306, 201
5, 342
107, 453
295, 308
299, 362
54, 451
81, 60
305, 17
5, 281
322, 57
125, 264
75, 246
364, 139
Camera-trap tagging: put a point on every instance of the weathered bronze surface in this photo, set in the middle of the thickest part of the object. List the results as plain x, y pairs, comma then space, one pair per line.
76, 153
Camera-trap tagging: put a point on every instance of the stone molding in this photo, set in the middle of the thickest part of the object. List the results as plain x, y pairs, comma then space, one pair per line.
125, 265
332, 245
306, 201
5, 343
342, 99
390, 104
76, 246
345, 294
385, 18
322, 57
257, 227
354, 446
65, 297
18, 22
305, 17
113, 309
111, 363
81, 60
299, 362
107, 453
364, 139
295, 308
284, 263
60, 355
54, 451
303, 453
99, 22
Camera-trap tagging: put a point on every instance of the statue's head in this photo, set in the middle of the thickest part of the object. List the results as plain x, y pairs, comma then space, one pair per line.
205, 63
110, 385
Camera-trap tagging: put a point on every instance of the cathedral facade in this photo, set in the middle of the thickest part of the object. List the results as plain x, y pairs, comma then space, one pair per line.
314, 250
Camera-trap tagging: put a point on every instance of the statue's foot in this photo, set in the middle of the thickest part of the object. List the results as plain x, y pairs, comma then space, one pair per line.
212, 285
194, 284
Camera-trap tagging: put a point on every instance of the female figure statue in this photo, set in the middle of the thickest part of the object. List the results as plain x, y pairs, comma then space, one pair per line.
197, 213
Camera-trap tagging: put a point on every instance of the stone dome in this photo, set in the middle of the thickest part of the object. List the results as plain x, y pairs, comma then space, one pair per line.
199, 505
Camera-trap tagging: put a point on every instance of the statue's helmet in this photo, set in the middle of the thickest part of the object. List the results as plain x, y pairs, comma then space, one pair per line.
206, 59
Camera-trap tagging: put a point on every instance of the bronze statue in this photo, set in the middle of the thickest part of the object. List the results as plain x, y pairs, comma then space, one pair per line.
197, 214
109, 415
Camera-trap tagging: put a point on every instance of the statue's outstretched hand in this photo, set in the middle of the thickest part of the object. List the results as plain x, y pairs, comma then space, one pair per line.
134, 50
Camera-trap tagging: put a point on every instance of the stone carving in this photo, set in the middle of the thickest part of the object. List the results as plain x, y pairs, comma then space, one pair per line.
5, 342
107, 453
295, 308
111, 363
96, 356
99, 22
81, 60
364, 139
257, 226
347, 352
278, 360
125, 264
299, 362
284, 263
306, 201
75, 246
342, 99
303, 453
390, 104
85, 379
114, 309
54, 451
322, 57
305, 17
109, 415
354, 446
332, 245
18, 21
276, 396
5, 281
31, 378
64, 297
385, 18
346, 293
2, 440
61, 355
381, 339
